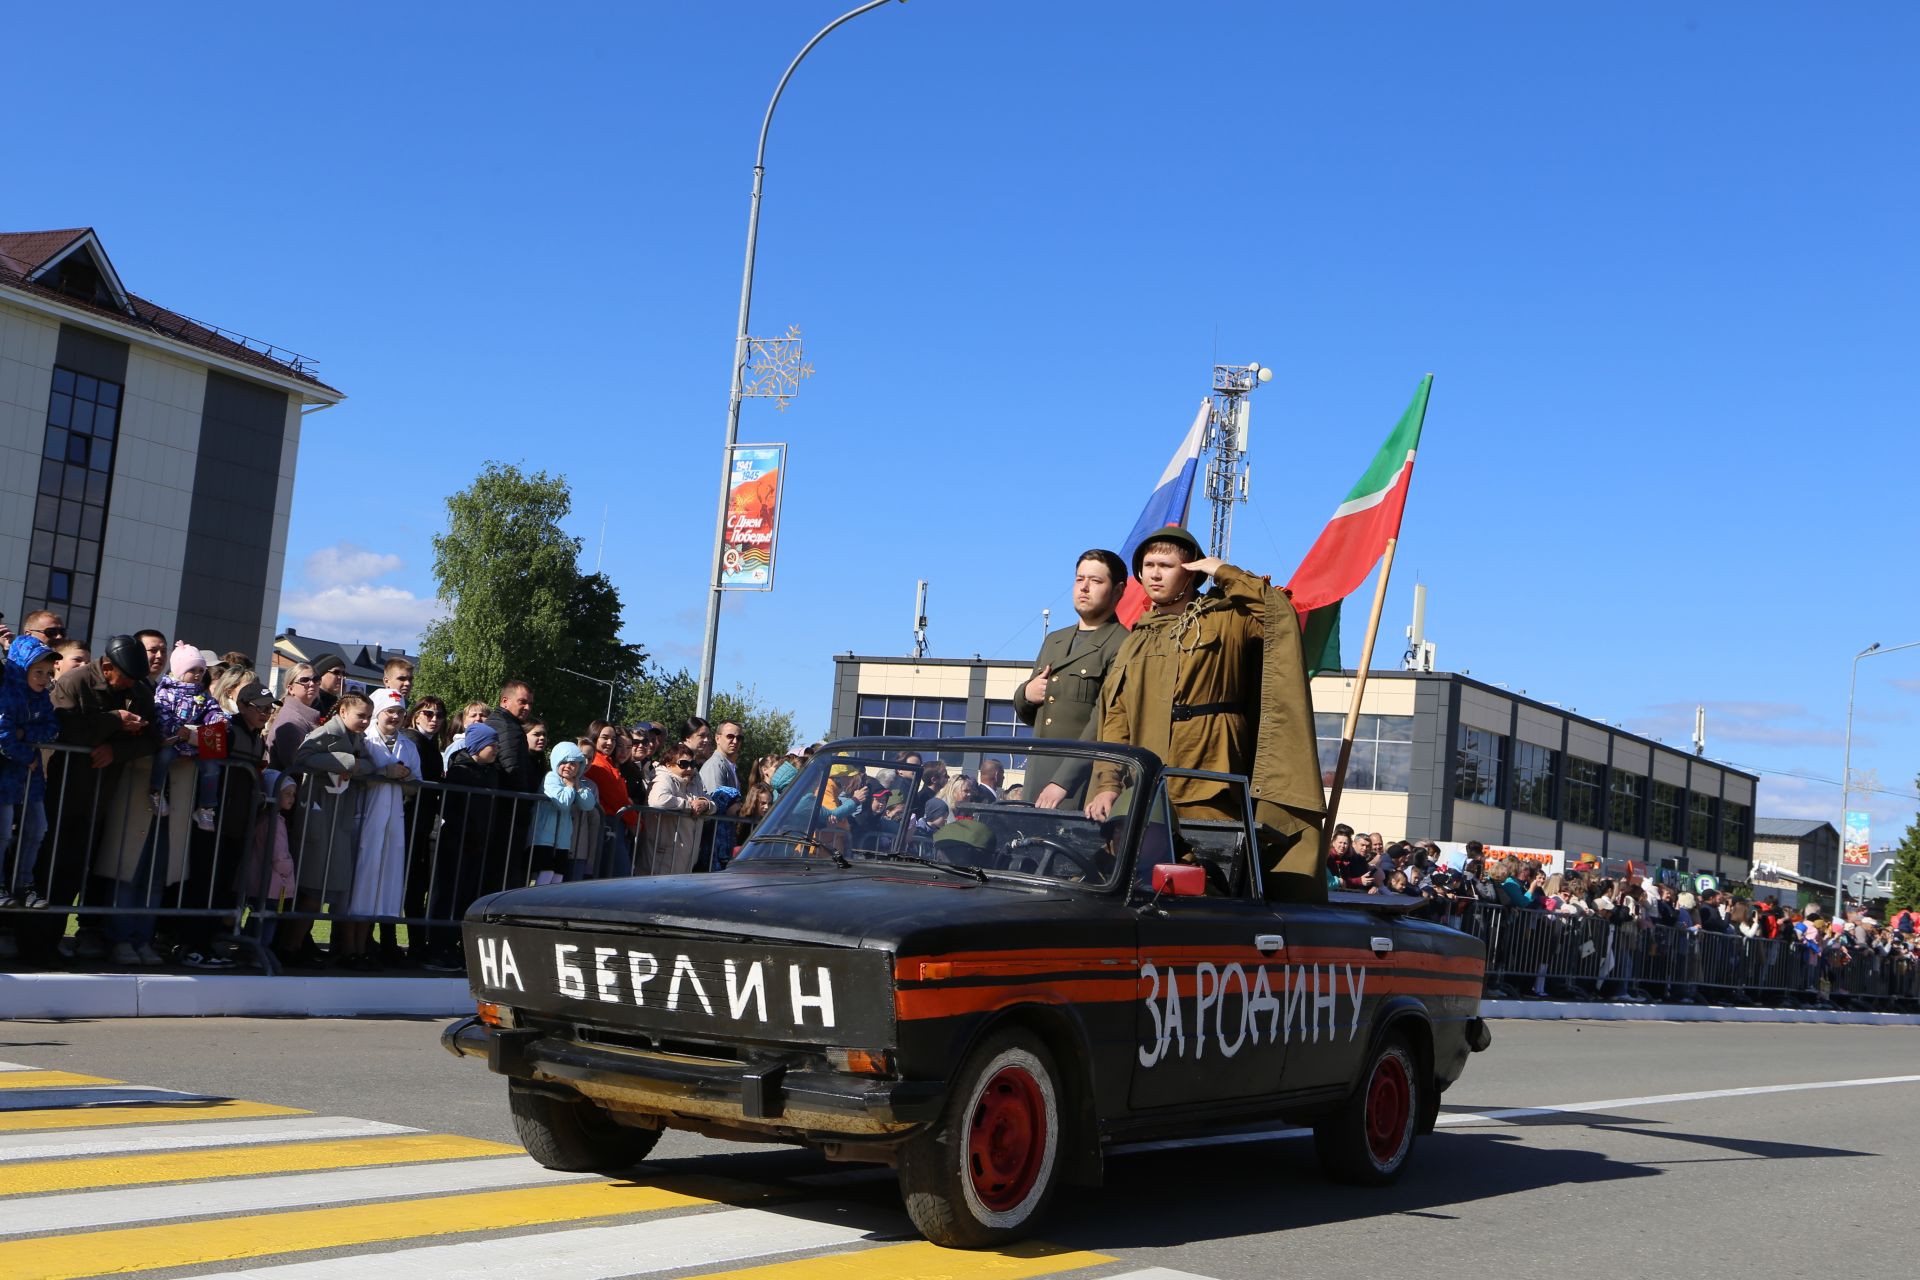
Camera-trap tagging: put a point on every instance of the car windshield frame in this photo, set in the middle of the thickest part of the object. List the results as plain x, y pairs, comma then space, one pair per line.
1027, 842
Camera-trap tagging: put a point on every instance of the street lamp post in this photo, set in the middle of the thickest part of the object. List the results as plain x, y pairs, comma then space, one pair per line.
712, 639
597, 680
1846, 773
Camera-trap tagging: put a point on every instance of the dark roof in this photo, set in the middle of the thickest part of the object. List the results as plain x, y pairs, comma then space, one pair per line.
363, 660
1787, 828
24, 252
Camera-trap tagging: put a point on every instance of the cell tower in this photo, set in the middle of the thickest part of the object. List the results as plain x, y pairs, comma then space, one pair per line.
1227, 424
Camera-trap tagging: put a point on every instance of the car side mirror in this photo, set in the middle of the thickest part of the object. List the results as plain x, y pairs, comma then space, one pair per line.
1175, 880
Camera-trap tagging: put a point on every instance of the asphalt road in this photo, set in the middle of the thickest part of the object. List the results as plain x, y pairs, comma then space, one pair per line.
1646, 1184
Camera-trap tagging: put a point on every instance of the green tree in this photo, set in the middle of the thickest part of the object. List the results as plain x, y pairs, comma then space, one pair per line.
1906, 866
669, 697
520, 609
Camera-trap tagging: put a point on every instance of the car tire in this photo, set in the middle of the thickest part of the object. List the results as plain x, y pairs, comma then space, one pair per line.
1369, 1139
984, 1173
575, 1136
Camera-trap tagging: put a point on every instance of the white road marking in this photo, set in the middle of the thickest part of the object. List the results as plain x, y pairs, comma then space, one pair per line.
95, 1095
1156, 1273
1521, 1113
129, 1139
119, 1206
18, 1066
591, 1253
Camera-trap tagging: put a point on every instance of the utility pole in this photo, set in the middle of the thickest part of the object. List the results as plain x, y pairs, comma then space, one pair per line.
1227, 423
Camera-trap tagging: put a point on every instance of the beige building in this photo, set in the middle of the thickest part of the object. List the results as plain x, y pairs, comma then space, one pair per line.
1436, 756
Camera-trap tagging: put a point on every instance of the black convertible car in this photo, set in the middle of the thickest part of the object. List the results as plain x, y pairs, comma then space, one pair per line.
984, 995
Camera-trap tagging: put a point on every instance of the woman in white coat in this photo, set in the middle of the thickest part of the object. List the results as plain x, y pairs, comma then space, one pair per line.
673, 832
380, 864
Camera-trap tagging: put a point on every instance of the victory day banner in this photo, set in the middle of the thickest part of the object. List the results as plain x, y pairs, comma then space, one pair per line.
753, 516
1854, 840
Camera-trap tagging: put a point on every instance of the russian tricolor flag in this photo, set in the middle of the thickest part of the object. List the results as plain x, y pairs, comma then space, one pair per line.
1168, 506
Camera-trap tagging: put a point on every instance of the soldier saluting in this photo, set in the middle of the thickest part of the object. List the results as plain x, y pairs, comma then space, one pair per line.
1062, 697
1217, 681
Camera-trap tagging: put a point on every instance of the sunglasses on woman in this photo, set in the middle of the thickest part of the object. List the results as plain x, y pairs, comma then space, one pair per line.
683, 764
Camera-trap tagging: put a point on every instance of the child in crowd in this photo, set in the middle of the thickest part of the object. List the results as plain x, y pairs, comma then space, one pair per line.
26, 722
184, 708
568, 792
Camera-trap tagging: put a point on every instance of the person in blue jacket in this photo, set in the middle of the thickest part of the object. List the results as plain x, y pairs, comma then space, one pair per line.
27, 723
567, 792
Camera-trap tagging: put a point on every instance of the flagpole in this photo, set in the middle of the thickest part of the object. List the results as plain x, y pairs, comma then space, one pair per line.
1359, 687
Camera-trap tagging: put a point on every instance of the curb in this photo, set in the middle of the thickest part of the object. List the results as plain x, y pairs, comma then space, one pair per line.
1601, 1011
145, 995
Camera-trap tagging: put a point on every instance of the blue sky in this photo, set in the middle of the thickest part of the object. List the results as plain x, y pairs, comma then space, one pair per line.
1659, 259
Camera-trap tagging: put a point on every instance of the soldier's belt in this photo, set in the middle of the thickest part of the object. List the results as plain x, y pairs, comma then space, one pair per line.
1188, 710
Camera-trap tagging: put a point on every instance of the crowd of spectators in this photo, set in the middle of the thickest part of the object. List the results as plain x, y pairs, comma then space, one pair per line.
153, 796
1631, 905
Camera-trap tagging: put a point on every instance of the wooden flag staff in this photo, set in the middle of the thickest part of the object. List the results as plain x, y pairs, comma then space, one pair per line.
1359, 688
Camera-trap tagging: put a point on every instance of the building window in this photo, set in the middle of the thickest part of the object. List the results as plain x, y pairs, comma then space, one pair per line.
1534, 768
70, 515
1735, 820
1003, 723
1382, 758
1666, 812
1480, 766
1583, 792
1626, 804
1700, 814
890, 717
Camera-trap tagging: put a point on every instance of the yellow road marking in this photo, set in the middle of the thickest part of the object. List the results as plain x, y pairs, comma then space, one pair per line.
48, 1080
189, 1244
227, 1162
923, 1261
140, 1113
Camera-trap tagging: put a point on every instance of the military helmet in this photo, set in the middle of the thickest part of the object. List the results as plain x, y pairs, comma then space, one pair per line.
1171, 533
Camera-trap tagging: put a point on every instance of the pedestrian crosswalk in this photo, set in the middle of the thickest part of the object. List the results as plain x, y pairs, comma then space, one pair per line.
102, 1177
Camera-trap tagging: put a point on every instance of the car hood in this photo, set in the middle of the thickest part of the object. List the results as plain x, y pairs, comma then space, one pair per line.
890, 908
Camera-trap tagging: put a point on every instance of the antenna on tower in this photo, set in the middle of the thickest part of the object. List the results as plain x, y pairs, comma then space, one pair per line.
920, 620
1700, 731
1420, 652
1228, 422
599, 554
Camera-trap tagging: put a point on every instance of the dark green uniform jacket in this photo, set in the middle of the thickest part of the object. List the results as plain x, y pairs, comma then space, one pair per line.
1072, 710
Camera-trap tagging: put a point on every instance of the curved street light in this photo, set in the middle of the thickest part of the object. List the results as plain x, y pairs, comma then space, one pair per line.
712, 639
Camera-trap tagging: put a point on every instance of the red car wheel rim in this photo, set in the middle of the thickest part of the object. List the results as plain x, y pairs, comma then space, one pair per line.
1007, 1139
1389, 1109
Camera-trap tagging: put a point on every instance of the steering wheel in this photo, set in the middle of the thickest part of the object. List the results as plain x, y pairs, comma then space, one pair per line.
1055, 849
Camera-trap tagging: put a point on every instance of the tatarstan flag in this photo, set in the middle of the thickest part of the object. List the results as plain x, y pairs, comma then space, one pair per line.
1356, 538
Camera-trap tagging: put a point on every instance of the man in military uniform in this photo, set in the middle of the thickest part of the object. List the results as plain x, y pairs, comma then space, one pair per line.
1062, 697
1217, 681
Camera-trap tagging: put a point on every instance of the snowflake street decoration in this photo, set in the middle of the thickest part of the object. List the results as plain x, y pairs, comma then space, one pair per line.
775, 367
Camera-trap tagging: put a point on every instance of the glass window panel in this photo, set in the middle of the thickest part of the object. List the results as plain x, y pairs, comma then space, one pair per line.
1326, 724
80, 621
36, 584
60, 586
59, 410
1396, 728
50, 476
900, 708
1366, 726
41, 549
870, 727
77, 450
91, 520
102, 457
1329, 759
872, 706
954, 709
109, 393
63, 381
951, 730
926, 708
56, 444
64, 549
46, 513
104, 422
82, 586
1393, 767
69, 522
85, 388
97, 488
88, 555
1360, 768
73, 484
82, 417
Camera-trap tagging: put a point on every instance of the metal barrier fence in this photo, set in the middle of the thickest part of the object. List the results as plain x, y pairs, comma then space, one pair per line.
1532, 952
345, 849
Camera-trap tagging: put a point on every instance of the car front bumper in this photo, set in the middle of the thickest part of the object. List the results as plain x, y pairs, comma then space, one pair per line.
771, 1095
